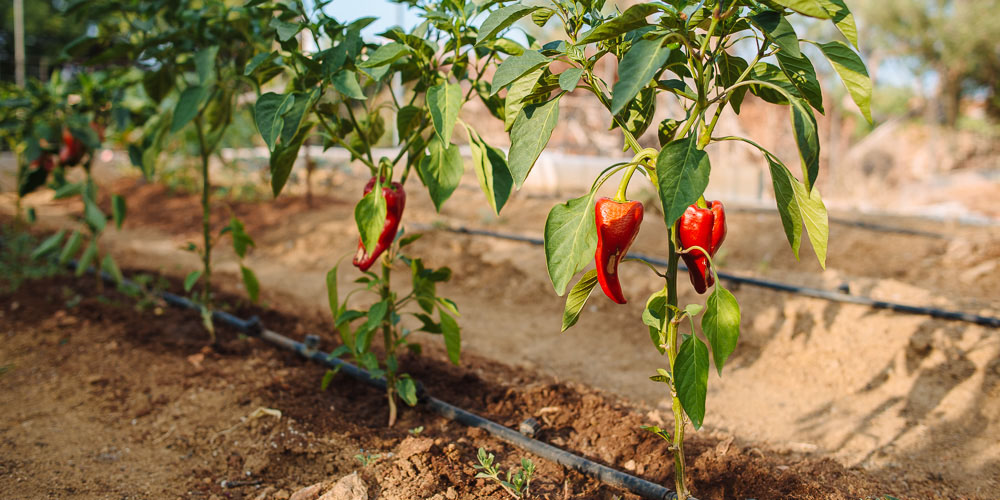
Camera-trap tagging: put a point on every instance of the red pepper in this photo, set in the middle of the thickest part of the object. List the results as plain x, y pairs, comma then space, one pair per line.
44, 162
395, 200
72, 149
617, 226
705, 228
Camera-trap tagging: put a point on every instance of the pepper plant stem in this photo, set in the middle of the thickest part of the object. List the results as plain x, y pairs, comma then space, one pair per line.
206, 220
678, 445
387, 336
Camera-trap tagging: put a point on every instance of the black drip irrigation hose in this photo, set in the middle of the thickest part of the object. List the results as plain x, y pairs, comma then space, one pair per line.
308, 350
992, 322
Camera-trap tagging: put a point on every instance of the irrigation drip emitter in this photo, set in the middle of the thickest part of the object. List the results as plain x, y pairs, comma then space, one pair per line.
835, 296
308, 349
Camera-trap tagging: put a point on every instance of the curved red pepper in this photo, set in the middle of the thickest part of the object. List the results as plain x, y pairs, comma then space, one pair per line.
705, 228
44, 162
395, 200
72, 149
617, 225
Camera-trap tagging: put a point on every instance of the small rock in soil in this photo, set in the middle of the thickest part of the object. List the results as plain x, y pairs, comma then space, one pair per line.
307, 493
349, 487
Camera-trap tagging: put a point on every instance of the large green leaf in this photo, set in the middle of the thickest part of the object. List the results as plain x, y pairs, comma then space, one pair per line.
441, 170
569, 79
283, 158
515, 67
204, 63
93, 215
452, 336
807, 140
570, 240
346, 82
778, 30
815, 218
513, 103
788, 207
691, 378
852, 71
386, 54
187, 106
637, 68
721, 324
73, 244
444, 101
811, 8
501, 19
284, 29
529, 135
682, 172
250, 282
577, 298
842, 18
801, 73
634, 17
369, 214
268, 114
332, 297
730, 69
296, 114
655, 316
492, 171
49, 245
772, 74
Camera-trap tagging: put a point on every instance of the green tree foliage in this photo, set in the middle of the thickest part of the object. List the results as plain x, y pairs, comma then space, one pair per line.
46, 32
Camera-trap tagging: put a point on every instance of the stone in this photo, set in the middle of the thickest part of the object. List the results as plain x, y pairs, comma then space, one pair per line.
349, 487
310, 492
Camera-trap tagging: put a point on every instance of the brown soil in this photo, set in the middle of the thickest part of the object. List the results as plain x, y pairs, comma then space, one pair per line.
105, 400
910, 400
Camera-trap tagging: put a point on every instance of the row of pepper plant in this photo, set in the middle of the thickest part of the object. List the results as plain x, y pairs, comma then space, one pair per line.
341, 88
55, 130
687, 51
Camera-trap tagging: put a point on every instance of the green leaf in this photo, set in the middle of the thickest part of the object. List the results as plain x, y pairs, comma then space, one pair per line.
801, 73
346, 82
386, 54
191, 279
541, 16
772, 74
250, 282
788, 207
730, 69
452, 336
241, 240
294, 116
283, 159
721, 324
691, 378
852, 71
655, 316
637, 68
407, 120
814, 216
284, 29
570, 240
93, 215
515, 67
778, 30
331, 292
257, 61
577, 298
682, 172
807, 139
444, 101
71, 247
513, 103
118, 210
811, 8
88, 255
109, 266
369, 214
204, 63
529, 135
407, 390
501, 19
187, 107
634, 17
568, 79
268, 114
492, 171
842, 18
441, 170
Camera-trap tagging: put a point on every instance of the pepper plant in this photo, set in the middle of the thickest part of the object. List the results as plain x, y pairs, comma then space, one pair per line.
688, 51
195, 55
342, 87
55, 128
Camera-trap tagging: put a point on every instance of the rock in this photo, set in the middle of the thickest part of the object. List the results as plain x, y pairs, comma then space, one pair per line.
349, 487
310, 492
451, 494
266, 494
630, 465
413, 446
282, 495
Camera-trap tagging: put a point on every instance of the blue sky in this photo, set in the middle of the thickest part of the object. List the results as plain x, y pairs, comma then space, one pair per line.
388, 14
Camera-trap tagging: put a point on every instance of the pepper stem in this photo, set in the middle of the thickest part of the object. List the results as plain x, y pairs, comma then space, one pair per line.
701, 202
640, 158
